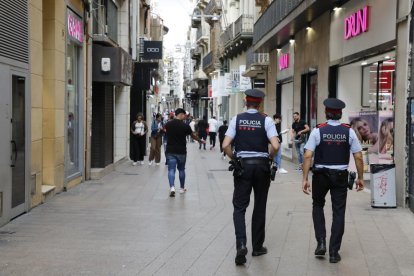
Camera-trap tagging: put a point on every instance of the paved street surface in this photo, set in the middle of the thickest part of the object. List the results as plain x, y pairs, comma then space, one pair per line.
126, 224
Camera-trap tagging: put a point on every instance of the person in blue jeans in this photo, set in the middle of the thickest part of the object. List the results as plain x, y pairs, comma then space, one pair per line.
298, 136
176, 151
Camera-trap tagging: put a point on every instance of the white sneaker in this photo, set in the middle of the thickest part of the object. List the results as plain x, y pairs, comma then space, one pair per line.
150, 163
157, 163
172, 192
282, 170
134, 163
142, 162
183, 190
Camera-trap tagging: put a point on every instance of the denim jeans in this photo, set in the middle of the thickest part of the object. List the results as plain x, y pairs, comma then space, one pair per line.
176, 161
278, 158
300, 148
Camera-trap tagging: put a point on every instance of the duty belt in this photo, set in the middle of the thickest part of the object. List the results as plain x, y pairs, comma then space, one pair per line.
255, 161
328, 171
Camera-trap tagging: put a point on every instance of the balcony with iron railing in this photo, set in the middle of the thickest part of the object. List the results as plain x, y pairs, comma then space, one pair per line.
195, 53
243, 27
211, 62
237, 37
214, 6
202, 37
227, 36
274, 14
254, 59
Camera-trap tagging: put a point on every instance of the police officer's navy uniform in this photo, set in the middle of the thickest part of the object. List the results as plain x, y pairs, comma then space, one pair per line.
251, 132
332, 143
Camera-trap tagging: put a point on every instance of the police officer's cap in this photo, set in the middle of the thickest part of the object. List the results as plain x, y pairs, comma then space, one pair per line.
333, 103
254, 95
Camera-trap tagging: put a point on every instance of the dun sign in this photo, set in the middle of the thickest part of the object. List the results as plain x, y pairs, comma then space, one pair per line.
356, 23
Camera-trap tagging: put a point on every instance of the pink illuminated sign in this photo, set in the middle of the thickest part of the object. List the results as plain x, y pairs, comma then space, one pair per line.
283, 61
75, 27
356, 23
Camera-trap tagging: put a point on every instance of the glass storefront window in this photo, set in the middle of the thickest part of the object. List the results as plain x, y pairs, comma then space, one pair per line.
378, 85
72, 109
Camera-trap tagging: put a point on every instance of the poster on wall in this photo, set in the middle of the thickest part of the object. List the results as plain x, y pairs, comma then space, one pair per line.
235, 82
228, 81
245, 82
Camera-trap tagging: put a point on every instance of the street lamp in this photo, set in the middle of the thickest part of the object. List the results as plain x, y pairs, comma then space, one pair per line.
213, 17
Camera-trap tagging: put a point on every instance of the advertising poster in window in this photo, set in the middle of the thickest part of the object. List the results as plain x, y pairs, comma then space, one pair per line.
385, 144
365, 125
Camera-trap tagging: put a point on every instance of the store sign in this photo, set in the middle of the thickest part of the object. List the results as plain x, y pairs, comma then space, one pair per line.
356, 23
152, 49
75, 27
283, 61
259, 83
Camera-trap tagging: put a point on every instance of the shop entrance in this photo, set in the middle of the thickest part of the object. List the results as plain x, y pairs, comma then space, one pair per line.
309, 98
13, 146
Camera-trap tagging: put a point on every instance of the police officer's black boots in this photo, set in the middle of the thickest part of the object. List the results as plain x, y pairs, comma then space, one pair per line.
321, 247
334, 257
241, 252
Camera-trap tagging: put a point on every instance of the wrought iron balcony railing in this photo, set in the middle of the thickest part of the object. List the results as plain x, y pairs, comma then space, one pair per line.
256, 58
243, 25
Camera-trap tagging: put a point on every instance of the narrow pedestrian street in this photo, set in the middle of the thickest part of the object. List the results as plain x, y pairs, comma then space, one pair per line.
126, 224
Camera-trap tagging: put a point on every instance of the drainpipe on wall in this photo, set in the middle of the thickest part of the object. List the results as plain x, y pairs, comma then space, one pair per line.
88, 111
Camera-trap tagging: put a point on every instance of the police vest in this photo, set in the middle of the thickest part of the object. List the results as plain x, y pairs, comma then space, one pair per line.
251, 133
334, 148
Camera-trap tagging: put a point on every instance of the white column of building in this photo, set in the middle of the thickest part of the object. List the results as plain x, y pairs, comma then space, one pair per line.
122, 94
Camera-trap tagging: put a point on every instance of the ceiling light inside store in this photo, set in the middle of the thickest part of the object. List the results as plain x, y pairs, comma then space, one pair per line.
387, 57
337, 9
308, 27
292, 39
364, 63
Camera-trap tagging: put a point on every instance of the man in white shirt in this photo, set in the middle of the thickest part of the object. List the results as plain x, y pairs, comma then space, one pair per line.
212, 130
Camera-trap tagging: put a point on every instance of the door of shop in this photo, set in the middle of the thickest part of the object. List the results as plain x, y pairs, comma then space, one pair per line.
309, 98
12, 147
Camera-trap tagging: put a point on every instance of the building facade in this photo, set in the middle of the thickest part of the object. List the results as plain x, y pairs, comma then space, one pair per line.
353, 50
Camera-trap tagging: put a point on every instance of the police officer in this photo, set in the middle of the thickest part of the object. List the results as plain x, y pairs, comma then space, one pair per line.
332, 143
251, 132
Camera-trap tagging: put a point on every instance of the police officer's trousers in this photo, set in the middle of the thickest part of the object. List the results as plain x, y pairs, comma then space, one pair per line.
256, 176
337, 185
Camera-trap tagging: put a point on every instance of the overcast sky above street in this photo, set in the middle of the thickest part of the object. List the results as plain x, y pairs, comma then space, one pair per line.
176, 16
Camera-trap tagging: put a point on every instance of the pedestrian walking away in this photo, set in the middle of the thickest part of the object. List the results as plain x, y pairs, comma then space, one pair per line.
331, 143
157, 131
139, 130
251, 132
212, 131
202, 127
278, 158
176, 152
222, 133
298, 137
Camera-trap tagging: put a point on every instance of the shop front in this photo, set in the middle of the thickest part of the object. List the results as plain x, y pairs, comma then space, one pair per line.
363, 57
284, 93
74, 95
